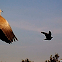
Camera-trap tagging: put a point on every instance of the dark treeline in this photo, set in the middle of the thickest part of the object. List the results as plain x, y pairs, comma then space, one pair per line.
27, 60
53, 58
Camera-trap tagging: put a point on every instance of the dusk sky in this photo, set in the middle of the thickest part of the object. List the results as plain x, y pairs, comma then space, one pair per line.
27, 19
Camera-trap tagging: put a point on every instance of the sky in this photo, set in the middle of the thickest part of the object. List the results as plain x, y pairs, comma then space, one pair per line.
27, 19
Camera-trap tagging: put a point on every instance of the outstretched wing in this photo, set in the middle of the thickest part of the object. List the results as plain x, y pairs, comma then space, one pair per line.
5, 27
44, 33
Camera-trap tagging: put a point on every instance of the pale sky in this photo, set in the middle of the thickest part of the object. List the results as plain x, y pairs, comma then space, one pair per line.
27, 19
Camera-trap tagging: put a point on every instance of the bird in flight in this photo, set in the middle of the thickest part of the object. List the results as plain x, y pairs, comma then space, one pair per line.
48, 35
6, 33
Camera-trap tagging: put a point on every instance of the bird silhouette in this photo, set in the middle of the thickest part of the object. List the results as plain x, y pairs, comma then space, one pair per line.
48, 35
6, 33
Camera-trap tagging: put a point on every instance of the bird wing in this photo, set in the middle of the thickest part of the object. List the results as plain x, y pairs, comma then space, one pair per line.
50, 33
44, 33
5, 27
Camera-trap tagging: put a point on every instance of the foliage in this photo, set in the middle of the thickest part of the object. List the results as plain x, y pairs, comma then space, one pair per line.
54, 58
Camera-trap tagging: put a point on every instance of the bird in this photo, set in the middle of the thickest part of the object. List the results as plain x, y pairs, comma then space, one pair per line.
48, 35
6, 33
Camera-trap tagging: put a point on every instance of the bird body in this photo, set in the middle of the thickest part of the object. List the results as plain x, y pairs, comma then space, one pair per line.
48, 35
6, 31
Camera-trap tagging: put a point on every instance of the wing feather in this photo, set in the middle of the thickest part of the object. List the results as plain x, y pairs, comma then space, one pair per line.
5, 27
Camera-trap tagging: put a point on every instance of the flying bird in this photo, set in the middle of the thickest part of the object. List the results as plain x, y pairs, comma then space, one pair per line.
6, 33
48, 35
